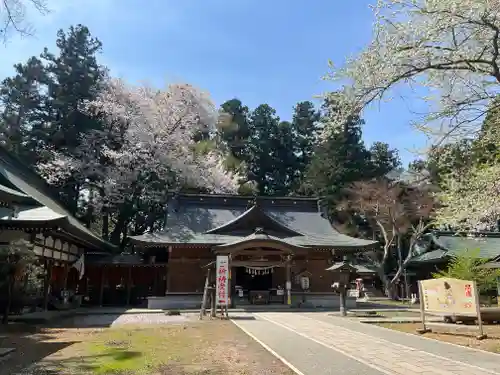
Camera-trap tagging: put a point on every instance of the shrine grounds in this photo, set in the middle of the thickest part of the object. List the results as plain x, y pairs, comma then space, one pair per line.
309, 343
138, 344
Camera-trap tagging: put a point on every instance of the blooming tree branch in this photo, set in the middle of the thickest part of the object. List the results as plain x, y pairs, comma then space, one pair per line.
448, 47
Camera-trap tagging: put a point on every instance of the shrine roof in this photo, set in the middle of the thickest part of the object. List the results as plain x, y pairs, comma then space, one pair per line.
23, 182
29, 214
222, 219
10, 196
442, 246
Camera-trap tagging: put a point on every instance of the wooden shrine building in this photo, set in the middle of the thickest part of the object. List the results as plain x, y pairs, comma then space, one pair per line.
30, 210
271, 242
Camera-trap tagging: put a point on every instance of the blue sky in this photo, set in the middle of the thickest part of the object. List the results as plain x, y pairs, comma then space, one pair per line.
259, 51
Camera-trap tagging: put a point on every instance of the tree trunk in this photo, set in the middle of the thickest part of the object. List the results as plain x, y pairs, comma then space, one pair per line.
121, 222
124, 237
105, 224
389, 288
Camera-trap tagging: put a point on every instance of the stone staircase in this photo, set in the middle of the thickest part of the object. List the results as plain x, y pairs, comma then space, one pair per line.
371, 292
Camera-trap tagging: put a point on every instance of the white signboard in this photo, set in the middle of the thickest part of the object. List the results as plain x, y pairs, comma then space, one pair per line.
222, 281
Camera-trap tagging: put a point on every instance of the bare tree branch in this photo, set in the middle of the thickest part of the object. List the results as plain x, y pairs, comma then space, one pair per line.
13, 16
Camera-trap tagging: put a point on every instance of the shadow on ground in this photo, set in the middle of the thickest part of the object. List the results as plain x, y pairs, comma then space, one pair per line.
31, 344
85, 321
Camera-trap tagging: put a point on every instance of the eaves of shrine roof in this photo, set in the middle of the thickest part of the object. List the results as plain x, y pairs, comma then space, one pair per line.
10, 196
30, 215
18, 177
201, 220
259, 237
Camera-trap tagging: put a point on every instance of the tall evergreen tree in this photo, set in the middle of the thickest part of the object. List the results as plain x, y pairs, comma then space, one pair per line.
343, 159
263, 128
22, 104
76, 78
270, 153
305, 128
236, 133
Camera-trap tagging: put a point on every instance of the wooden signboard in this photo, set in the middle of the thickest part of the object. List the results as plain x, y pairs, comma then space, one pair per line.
222, 280
450, 297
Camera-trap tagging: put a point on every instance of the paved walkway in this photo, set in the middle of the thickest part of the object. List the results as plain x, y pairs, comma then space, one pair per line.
318, 344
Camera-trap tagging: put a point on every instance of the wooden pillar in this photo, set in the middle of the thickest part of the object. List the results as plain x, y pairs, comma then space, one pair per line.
212, 300
205, 295
288, 283
154, 292
66, 273
167, 279
129, 284
46, 285
101, 286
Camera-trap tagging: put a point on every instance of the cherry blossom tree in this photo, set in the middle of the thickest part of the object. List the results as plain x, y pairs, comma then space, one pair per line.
160, 129
448, 50
397, 212
145, 149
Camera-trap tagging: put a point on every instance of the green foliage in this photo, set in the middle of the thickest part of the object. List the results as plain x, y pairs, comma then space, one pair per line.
467, 266
41, 104
20, 274
343, 159
236, 131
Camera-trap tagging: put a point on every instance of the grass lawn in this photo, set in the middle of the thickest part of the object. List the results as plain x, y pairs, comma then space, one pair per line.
208, 348
460, 337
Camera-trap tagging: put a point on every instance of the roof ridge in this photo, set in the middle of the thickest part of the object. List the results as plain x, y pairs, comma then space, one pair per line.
11, 165
245, 197
254, 208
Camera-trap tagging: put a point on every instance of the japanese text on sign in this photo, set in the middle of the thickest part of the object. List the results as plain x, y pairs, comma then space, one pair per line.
449, 295
222, 275
468, 290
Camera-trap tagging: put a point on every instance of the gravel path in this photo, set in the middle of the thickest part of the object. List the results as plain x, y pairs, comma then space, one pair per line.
112, 320
343, 346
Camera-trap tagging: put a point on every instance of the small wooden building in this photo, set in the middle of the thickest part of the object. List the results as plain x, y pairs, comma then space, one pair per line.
271, 242
30, 210
436, 249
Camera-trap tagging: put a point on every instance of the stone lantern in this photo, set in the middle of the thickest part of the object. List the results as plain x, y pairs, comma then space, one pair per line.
344, 272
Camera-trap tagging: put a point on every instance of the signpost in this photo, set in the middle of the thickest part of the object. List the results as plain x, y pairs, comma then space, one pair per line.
498, 290
222, 282
450, 296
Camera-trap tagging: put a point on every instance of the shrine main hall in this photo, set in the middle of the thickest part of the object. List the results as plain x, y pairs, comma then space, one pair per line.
272, 244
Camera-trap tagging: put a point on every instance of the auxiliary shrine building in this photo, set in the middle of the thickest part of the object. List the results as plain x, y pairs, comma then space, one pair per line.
272, 244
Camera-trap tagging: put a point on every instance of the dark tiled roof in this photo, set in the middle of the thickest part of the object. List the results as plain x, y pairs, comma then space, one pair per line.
193, 219
10, 196
30, 214
491, 265
26, 181
430, 257
444, 245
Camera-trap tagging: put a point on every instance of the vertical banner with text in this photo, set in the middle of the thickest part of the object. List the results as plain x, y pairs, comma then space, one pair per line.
222, 280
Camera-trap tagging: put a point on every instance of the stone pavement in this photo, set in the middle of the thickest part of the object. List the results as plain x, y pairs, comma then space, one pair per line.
318, 344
